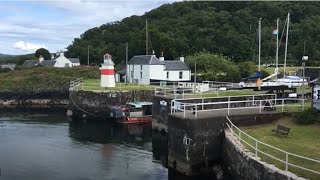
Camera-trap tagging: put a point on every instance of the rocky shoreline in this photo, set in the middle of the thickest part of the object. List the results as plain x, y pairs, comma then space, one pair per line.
49, 98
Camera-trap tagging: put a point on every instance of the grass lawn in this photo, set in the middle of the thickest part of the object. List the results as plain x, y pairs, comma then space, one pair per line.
94, 85
302, 140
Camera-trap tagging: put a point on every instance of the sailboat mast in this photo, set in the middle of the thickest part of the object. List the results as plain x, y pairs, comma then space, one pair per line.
286, 50
277, 47
259, 42
147, 45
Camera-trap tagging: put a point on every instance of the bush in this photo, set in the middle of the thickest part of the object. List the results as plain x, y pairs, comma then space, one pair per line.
308, 116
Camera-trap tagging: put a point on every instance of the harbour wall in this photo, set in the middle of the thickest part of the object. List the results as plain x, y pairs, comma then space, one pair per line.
98, 104
244, 165
197, 143
34, 98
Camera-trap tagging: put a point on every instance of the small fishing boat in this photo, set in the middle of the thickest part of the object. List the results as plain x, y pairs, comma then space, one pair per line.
133, 113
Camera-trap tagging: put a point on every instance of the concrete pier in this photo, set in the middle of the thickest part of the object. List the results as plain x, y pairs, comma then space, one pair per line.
196, 143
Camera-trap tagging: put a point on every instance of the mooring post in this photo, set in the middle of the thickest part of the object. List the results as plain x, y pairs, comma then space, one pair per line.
260, 106
282, 105
202, 103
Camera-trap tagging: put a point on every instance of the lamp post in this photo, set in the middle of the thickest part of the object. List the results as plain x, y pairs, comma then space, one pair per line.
195, 77
304, 59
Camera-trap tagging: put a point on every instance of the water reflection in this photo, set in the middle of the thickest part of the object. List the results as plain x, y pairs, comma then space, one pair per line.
105, 132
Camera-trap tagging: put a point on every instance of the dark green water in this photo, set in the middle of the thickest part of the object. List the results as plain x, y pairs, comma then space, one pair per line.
42, 145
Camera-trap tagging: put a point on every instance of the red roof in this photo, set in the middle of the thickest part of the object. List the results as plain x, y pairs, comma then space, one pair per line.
107, 54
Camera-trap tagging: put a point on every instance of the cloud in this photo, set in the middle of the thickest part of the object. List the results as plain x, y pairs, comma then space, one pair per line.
27, 46
56, 23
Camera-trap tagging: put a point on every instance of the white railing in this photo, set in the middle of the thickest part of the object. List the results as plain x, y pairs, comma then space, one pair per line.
183, 93
230, 105
257, 144
75, 83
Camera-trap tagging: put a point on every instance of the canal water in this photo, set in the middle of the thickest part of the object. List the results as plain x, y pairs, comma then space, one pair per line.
44, 145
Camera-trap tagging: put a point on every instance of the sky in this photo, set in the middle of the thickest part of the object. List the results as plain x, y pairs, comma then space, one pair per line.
28, 25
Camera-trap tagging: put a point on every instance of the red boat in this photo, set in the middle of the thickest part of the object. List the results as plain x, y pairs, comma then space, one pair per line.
133, 113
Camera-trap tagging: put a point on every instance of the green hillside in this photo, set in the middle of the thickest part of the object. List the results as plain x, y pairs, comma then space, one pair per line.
227, 28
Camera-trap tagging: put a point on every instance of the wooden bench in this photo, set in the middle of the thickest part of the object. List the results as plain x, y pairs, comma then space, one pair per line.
282, 130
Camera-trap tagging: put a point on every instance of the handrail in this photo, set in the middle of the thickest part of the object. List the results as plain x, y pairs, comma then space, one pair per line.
229, 105
231, 126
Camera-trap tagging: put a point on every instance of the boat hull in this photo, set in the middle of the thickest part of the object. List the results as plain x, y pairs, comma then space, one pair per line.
135, 120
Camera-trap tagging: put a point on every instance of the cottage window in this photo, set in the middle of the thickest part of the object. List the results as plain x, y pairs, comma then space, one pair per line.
131, 74
167, 75
180, 74
140, 75
141, 67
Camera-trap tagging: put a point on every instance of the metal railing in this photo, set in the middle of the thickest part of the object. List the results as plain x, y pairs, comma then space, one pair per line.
240, 136
176, 93
230, 105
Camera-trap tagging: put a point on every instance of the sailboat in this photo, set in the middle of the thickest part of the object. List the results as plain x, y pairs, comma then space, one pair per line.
273, 80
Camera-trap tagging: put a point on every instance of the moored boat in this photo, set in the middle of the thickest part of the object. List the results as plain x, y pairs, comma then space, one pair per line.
133, 113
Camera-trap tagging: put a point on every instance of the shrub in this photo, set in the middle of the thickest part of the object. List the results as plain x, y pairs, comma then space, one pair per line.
308, 116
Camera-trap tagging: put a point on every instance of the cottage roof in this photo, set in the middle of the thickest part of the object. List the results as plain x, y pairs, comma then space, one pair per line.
145, 60
175, 65
30, 63
48, 63
122, 71
74, 60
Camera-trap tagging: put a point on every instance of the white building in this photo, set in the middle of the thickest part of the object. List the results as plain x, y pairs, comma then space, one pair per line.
59, 61
146, 68
62, 61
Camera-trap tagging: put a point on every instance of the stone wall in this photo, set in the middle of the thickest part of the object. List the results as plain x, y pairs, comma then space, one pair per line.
198, 143
99, 103
29, 98
244, 165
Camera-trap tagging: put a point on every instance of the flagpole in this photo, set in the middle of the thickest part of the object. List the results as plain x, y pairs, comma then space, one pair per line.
259, 41
277, 48
286, 50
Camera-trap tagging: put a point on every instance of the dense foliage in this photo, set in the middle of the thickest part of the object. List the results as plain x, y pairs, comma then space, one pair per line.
42, 52
308, 116
213, 67
42, 78
227, 28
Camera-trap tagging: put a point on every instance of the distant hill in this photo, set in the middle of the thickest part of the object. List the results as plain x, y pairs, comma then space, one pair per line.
220, 27
4, 55
18, 59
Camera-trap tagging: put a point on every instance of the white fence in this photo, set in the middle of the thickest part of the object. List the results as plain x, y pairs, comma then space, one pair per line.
182, 93
240, 135
75, 83
260, 102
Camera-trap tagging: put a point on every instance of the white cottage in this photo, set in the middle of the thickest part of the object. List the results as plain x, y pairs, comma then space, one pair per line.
144, 69
62, 61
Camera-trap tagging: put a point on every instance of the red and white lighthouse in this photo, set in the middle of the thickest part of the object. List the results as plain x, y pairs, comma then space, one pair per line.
107, 72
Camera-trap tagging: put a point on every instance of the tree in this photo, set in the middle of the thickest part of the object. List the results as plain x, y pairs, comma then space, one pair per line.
247, 68
44, 53
213, 67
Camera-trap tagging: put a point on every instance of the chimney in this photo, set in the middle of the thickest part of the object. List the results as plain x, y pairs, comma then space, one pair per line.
61, 53
40, 58
182, 59
161, 58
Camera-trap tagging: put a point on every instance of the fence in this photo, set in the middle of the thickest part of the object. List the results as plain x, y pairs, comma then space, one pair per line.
253, 102
176, 93
257, 144
75, 83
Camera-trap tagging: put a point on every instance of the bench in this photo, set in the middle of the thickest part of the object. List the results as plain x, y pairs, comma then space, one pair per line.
282, 130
